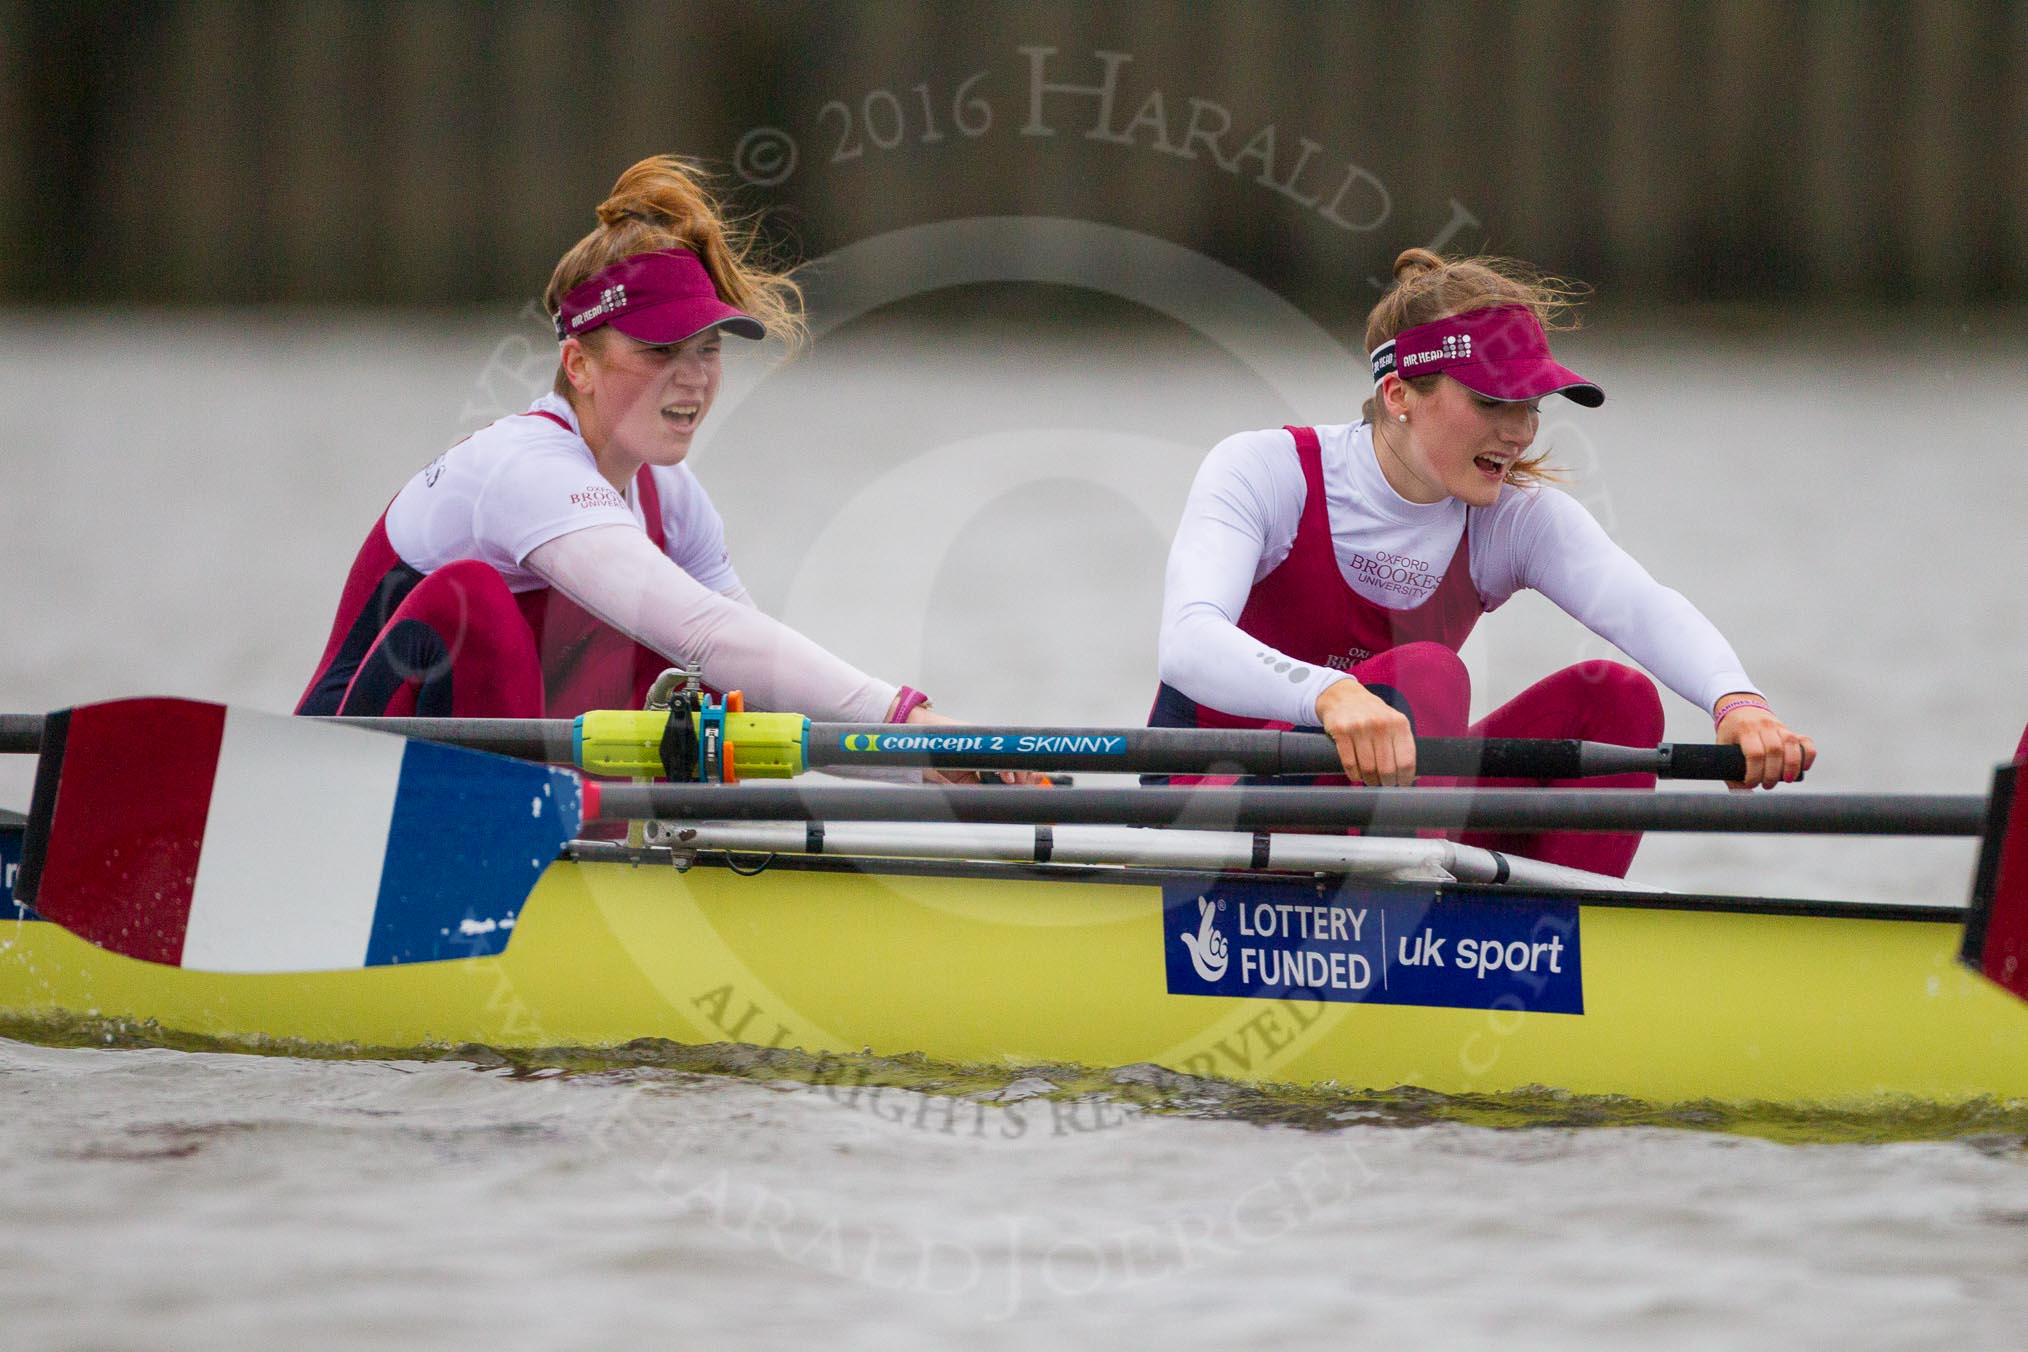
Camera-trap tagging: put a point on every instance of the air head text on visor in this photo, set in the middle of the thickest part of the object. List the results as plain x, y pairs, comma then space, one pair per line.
660, 297
1499, 352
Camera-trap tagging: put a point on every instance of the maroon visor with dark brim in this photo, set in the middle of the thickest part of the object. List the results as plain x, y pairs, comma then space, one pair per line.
1499, 352
661, 297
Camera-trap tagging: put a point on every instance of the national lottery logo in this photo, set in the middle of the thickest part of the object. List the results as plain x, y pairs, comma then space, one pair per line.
1209, 953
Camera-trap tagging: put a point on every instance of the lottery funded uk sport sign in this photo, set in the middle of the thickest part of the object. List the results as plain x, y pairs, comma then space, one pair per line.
1270, 939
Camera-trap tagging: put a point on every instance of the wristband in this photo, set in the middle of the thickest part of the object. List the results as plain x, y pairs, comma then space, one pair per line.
1743, 702
906, 702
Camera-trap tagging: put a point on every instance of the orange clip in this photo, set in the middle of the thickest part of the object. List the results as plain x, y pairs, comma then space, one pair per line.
735, 703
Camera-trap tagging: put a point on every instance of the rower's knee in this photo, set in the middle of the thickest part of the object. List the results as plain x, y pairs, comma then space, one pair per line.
477, 587
1433, 679
474, 615
1433, 659
1623, 698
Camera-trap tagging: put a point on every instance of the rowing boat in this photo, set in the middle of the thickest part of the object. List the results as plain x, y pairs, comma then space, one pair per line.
1374, 975
1665, 998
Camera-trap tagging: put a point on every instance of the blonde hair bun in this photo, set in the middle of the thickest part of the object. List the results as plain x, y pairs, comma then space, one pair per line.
1413, 262
667, 202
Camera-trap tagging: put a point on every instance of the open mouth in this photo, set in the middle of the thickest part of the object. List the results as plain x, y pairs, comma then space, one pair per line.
683, 415
1491, 465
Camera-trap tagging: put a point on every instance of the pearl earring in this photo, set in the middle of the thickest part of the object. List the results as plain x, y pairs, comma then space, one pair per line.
1401, 417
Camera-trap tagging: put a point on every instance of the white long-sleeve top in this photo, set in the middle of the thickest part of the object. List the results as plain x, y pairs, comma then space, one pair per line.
1240, 522
525, 496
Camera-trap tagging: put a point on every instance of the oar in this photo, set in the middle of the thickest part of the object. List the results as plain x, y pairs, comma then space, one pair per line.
185, 833
769, 746
1327, 808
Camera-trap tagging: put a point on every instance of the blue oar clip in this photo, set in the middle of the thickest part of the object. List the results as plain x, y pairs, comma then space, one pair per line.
711, 739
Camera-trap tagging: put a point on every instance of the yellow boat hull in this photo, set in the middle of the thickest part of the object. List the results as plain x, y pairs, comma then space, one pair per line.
1682, 1002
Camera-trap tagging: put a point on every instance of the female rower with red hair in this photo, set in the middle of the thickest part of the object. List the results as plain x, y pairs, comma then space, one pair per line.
559, 559
1326, 577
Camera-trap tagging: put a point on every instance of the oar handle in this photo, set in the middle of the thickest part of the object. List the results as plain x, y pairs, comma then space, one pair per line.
1513, 758
1695, 760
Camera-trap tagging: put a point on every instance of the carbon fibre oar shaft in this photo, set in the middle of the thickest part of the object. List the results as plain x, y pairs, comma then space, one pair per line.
20, 733
1329, 808
1129, 750
536, 739
1243, 752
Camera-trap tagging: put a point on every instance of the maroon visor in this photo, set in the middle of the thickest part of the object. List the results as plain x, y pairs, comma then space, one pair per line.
1499, 352
661, 297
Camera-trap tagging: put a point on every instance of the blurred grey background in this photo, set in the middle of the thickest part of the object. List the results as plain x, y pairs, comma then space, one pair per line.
432, 152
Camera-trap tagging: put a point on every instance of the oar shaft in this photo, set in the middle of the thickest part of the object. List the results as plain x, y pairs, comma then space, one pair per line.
20, 734
1335, 808
536, 739
1241, 752
1168, 751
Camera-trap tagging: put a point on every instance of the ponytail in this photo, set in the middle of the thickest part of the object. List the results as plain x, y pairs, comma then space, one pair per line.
665, 202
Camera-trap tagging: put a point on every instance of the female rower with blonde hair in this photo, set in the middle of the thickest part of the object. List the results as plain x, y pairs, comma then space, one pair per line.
559, 559
1326, 577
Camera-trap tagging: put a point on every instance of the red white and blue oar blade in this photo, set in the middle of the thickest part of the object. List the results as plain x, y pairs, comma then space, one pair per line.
1996, 930
226, 840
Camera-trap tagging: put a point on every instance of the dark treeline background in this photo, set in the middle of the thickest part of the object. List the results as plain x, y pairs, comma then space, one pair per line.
428, 152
